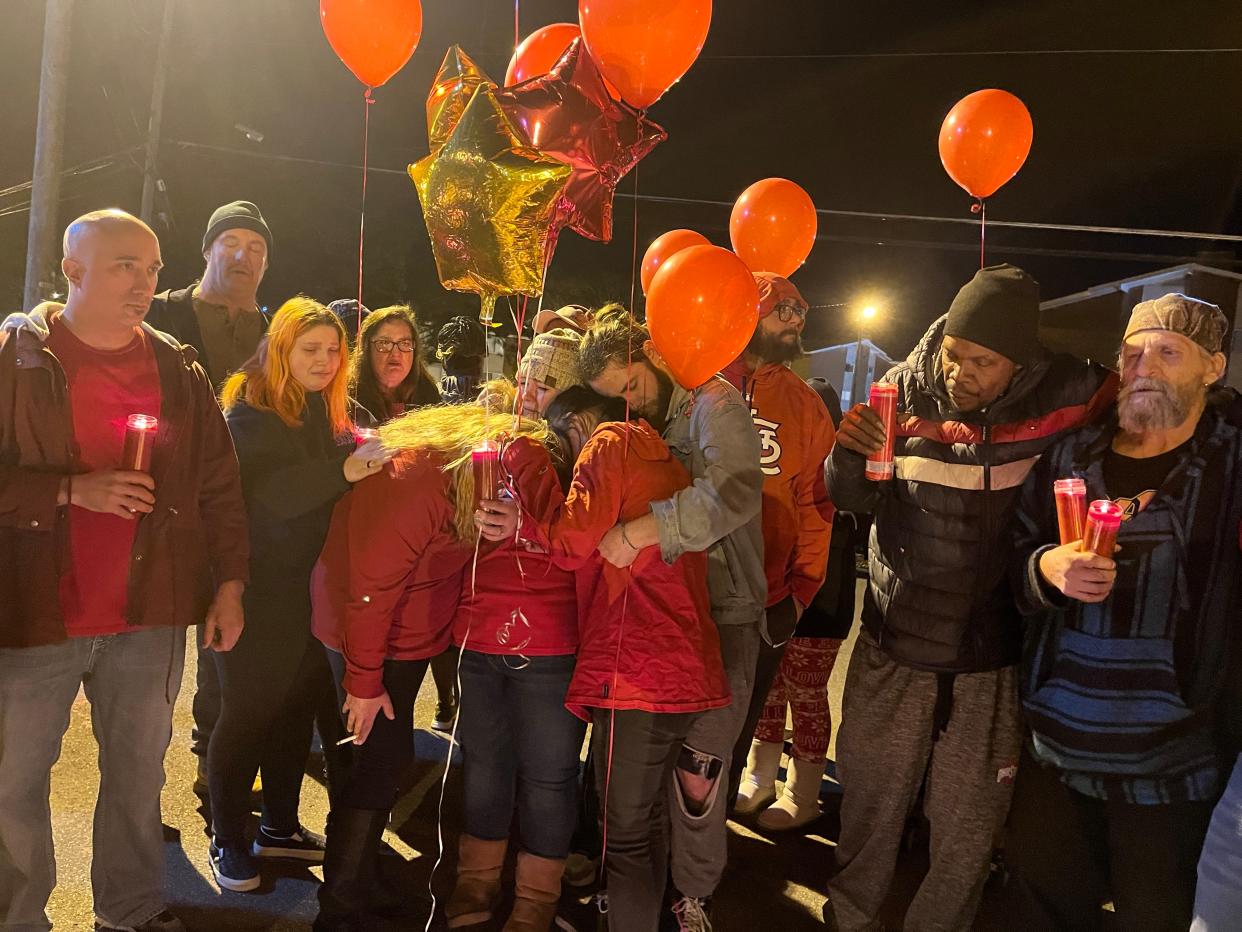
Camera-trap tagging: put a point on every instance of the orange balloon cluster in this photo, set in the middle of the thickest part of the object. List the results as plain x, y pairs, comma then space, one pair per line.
772, 226
643, 47
985, 139
701, 310
374, 38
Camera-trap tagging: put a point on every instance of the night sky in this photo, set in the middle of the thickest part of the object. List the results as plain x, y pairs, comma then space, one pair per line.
1130, 140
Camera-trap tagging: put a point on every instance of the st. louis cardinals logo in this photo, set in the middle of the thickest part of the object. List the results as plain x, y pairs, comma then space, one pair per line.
770, 446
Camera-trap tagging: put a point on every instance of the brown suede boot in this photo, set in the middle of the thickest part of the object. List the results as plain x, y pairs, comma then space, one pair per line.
538, 892
478, 881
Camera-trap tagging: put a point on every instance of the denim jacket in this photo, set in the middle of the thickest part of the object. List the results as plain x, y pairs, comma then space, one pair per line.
711, 432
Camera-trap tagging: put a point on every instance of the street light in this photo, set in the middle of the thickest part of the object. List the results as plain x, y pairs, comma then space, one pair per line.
868, 312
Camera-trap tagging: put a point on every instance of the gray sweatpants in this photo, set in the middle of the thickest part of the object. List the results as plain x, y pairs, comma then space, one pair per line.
884, 749
699, 843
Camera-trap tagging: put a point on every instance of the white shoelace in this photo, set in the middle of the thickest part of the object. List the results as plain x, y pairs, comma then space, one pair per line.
691, 917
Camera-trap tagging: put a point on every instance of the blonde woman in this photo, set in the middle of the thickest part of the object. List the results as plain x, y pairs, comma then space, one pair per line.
288, 412
385, 593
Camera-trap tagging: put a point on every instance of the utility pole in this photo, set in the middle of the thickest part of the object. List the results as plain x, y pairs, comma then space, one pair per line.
150, 173
49, 152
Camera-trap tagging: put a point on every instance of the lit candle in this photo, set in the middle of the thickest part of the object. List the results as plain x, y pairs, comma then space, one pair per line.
140, 431
365, 434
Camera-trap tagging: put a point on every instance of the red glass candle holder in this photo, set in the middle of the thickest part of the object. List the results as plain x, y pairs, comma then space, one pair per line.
883, 401
1071, 497
1103, 521
140, 433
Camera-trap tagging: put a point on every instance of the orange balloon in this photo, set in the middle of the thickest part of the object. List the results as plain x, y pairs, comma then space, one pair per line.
663, 248
644, 46
541, 50
374, 38
985, 139
702, 310
772, 226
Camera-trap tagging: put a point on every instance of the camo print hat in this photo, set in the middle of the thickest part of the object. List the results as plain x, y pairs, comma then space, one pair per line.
1198, 321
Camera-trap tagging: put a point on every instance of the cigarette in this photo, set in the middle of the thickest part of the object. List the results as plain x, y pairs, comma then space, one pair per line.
347, 740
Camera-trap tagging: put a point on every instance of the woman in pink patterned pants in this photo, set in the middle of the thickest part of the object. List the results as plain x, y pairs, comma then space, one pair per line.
802, 685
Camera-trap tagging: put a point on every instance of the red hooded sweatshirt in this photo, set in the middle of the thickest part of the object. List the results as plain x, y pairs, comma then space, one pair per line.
796, 434
647, 639
515, 601
388, 579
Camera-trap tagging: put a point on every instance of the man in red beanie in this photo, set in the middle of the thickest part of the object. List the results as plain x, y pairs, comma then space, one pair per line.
795, 434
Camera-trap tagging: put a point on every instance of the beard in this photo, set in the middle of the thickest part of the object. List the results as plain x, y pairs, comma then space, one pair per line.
655, 412
775, 347
1153, 404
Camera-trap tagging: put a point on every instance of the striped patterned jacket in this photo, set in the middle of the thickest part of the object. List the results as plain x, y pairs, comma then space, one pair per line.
1124, 696
939, 597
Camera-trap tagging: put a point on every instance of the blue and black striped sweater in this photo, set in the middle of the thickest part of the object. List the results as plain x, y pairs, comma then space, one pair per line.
1126, 697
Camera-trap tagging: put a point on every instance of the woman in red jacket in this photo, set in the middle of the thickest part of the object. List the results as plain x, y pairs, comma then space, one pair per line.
385, 590
649, 653
517, 627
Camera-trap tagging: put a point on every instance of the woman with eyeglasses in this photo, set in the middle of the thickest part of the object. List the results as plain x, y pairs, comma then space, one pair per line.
387, 372
388, 377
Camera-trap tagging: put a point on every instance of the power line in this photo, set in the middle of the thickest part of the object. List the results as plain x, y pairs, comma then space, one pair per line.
854, 214
827, 56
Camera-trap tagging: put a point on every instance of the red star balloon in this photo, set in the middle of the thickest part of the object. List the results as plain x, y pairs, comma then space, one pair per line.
569, 115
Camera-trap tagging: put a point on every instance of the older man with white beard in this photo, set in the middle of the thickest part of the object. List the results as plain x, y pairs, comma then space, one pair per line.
1130, 663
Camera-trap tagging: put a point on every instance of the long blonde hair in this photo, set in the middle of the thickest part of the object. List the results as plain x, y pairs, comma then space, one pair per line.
266, 382
453, 432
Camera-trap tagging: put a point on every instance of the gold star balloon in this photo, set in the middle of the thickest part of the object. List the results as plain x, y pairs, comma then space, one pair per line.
488, 200
456, 81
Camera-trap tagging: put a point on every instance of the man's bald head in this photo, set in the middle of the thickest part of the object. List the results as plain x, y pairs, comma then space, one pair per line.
111, 220
112, 261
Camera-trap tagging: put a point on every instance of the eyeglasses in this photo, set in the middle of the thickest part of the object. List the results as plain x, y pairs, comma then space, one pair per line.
386, 346
787, 312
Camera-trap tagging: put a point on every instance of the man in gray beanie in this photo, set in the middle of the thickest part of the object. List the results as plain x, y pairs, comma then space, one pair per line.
932, 686
219, 316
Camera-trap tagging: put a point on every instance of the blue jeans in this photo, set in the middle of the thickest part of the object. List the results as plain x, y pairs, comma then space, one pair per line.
1218, 896
520, 744
131, 681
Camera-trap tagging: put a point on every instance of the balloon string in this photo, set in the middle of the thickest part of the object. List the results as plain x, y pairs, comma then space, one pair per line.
634, 250
983, 228
362, 220
517, 29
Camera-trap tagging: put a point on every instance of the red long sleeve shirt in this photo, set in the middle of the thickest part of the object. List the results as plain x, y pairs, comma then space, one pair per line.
796, 435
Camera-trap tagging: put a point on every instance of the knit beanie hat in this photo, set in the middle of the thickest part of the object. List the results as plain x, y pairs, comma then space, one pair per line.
998, 309
1198, 321
239, 215
774, 290
552, 359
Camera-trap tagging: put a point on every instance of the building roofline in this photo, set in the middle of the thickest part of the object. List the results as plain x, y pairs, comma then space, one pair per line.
1128, 284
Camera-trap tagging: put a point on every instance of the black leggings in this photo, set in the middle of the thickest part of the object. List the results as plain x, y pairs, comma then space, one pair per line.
376, 767
272, 684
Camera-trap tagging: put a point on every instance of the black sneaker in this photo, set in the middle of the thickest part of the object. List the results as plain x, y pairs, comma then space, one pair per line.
234, 867
446, 715
164, 921
302, 845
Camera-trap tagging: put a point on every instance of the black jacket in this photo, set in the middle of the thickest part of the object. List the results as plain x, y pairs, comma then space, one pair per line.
831, 612
291, 478
939, 597
173, 313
